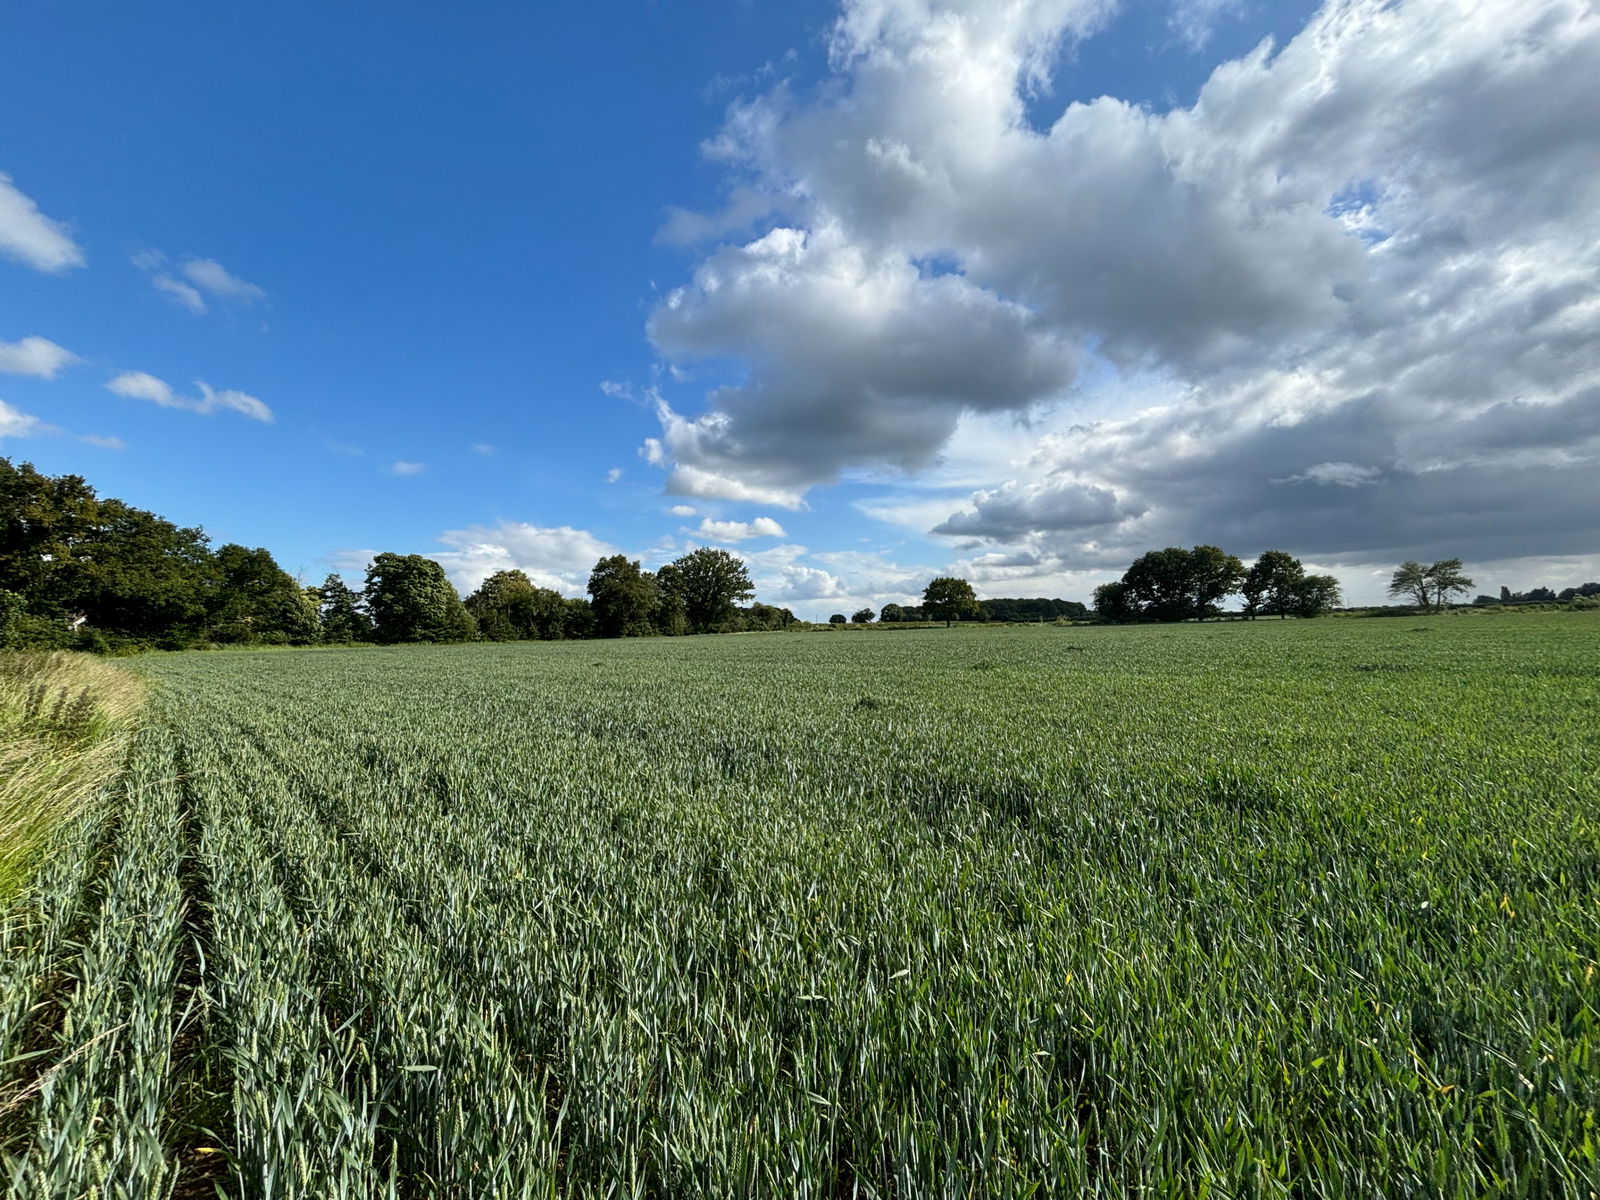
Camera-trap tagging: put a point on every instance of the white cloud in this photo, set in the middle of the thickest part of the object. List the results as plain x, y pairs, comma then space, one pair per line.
1344, 304
212, 277
36, 356
400, 467
105, 443
1339, 474
558, 557
189, 281
682, 510
189, 297
139, 385
857, 357
30, 237
483, 448
739, 531
15, 423
614, 474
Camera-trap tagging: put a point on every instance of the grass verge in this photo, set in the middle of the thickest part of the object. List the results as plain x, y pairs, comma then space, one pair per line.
65, 720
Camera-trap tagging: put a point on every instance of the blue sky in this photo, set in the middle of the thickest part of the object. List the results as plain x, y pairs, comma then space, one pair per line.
517, 282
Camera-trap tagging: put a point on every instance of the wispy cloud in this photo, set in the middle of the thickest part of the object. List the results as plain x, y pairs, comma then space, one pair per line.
138, 385
30, 237
189, 297
192, 282
36, 356
400, 467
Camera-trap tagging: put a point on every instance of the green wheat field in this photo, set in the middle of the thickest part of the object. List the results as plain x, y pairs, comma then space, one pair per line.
1236, 910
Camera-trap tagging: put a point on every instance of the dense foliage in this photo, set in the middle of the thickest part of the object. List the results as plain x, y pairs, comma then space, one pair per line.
1541, 595
83, 572
1250, 909
1183, 585
80, 571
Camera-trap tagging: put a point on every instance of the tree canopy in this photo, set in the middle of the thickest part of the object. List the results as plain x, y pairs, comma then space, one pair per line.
622, 595
948, 599
711, 583
1431, 586
411, 600
1181, 585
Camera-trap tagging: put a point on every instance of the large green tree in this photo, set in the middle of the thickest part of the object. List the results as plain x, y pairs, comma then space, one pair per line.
1158, 585
258, 601
509, 606
1445, 580
1115, 603
949, 599
622, 597
1271, 584
1410, 582
45, 521
1315, 595
1176, 584
143, 576
411, 600
1214, 575
711, 583
126, 571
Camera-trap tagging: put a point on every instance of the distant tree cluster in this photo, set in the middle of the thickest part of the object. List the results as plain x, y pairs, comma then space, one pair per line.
698, 593
1039, 609
1541, 595
81, 571
1183, 585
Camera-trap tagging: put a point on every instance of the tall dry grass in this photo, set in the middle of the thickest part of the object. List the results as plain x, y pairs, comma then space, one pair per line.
65, 721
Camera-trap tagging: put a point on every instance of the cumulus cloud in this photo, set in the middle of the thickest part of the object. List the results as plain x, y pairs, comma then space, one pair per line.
1354, 287
15, 423
558, 557
36, 356
614, 474
856, 357
1016, 509
138, 385
30, 237
739, 531
190, 281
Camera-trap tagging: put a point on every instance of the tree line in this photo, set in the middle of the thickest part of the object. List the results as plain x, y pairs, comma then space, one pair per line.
1189, 585
82, 571
1540, 595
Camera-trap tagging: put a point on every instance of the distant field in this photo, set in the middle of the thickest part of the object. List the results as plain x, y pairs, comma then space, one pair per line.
1269, 909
